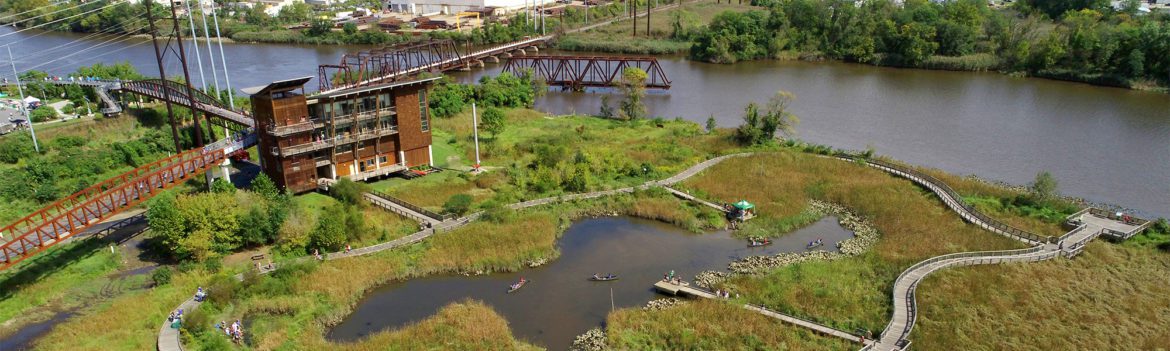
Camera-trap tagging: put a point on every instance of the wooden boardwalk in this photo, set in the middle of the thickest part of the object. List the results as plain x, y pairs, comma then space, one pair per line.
690, 290
168, 338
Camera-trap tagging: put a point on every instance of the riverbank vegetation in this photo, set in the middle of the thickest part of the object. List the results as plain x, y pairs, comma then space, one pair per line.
1093, 44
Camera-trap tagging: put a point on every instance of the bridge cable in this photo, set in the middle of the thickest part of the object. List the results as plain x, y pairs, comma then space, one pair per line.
109, 31
116, 39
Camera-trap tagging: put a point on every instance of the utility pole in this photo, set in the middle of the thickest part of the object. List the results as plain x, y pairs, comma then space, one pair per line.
475, 132
647, 18
633, 10
23, 108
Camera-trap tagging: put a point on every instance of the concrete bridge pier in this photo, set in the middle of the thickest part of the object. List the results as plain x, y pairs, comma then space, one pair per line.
492, 59
521, 52
224, 172
535, 48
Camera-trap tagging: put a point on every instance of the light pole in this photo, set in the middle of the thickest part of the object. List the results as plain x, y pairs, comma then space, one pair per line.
23, 109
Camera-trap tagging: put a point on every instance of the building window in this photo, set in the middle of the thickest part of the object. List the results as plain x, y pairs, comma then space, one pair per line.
381, 159
424, 113
386, 101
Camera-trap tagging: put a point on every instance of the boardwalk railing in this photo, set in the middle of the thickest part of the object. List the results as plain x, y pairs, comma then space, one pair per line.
955, 201
413, 207
951, 260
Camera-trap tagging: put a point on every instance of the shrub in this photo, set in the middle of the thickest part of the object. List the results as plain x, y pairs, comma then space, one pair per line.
349, 192
458, 204
161, 276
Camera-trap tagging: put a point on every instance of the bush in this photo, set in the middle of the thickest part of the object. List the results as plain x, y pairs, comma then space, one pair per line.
458, 204
162, 276
349, 192
42, 114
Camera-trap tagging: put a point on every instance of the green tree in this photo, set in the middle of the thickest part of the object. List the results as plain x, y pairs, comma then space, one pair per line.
1044, 187
349, 28
711, 124
760, 127
914, 43
1057, 8
219, 185
330, 233
633, 87
606, 109
683, 23
296, 12
263, 186
318, 27
449, 98
493, 121
166, 223
457, 204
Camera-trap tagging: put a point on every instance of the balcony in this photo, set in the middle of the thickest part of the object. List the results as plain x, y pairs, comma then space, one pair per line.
338, 140
291, 129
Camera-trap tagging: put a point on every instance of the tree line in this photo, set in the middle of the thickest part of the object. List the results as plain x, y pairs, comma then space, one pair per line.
1077, 40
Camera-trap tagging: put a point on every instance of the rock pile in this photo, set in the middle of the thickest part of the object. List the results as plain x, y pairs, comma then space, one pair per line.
864, 236
592, 340
662, 304
709, 279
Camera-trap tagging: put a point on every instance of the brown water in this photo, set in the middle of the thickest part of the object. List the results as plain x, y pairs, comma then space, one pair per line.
559, 302
1104, 144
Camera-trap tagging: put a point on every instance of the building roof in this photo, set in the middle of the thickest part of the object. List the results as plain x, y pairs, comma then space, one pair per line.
375, 87
277, 85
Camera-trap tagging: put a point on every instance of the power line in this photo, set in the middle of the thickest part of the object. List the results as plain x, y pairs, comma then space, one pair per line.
64, 65
46, 14
58, 20
18, 14
83, 38
119, 38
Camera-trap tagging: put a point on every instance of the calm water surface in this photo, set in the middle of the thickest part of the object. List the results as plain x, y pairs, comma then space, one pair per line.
559, 302
1104, 144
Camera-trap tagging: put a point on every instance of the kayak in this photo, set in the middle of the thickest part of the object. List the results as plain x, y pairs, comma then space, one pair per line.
814, 245
758, 244
517, 286
603, 279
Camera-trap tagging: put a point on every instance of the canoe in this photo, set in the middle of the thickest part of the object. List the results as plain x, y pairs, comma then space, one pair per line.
769, 242
603, 279
517, 286
813, 246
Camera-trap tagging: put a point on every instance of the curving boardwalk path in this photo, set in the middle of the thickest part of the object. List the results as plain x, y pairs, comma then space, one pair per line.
1044, 248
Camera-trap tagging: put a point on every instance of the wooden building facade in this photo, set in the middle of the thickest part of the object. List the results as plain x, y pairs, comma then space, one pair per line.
358, 133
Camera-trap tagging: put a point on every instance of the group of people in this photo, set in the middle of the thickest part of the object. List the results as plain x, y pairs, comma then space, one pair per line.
175, 319
816, 243
596, 276
670, 277
200, 295
724, 294
758, 241
233, 331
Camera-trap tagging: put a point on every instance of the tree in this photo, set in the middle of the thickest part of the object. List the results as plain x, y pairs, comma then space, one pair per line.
682, 23
633, 87
1056, 8
318, 27
449, 98
1043, 188
221, 186
263, 186
457, 204
349, 28
296, 12
711, 125
331, 228
606, 109
493, 121
166, 222
760, 127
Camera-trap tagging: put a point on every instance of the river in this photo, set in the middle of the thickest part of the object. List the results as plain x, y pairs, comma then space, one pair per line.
638, 251
1104, 144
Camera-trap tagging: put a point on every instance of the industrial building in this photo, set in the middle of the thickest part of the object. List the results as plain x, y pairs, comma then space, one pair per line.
357, 133
450, 7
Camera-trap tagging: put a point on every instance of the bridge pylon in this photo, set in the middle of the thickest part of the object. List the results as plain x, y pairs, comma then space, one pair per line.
173, 44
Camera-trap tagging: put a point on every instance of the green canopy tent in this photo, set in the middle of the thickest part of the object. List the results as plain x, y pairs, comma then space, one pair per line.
744, 205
